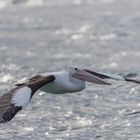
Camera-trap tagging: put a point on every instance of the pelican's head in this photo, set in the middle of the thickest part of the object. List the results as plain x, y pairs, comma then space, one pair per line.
84, 75
73, 70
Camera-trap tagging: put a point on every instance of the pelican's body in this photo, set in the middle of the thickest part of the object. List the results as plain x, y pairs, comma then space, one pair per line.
72, 80
63, 83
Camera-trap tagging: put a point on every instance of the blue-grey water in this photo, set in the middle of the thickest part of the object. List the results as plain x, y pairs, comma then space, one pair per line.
50, 35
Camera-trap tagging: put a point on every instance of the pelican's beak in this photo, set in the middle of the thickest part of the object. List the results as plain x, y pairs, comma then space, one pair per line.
85, 76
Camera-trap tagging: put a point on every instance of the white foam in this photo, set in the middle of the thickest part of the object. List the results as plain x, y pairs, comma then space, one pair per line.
34, 3
123, 53
28, 128
64, 31
113, 65
106, 37
6, 78
84, 28
77, 2
3, 3
76, 36
84, 121
107, 1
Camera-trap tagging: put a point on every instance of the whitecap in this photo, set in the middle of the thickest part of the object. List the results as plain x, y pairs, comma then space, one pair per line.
76, 36
28, 128
3, 3
77, 2
34, 3
106, 37
6, 78
113, 65
107, 1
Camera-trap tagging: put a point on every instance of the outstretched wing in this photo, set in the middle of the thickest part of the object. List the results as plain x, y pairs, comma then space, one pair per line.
19, 97
13, 101
7, 109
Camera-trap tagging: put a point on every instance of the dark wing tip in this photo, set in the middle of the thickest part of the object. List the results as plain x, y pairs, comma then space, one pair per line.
50, 78
9, 114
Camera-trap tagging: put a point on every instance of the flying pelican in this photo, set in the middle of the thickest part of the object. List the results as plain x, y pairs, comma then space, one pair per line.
19, 97
74, 79
62, 82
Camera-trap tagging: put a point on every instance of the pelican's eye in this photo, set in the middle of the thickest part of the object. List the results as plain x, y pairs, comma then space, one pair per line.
76, 69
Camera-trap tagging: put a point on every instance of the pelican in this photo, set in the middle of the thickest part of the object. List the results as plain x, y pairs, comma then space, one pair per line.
62, 82
74, 80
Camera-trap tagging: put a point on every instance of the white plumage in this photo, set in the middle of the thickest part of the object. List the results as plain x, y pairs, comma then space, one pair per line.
21, 97
63, 83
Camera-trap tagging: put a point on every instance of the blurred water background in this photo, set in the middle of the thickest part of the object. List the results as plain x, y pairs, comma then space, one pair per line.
50, 35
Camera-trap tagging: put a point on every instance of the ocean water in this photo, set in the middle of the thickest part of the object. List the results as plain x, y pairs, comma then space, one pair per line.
50, 35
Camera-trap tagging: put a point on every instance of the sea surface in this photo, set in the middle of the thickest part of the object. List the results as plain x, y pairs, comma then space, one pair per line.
50, 35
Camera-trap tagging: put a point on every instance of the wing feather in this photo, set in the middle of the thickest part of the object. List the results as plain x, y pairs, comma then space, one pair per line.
7, 109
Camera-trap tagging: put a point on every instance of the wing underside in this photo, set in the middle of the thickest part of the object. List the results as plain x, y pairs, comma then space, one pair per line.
7, 109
